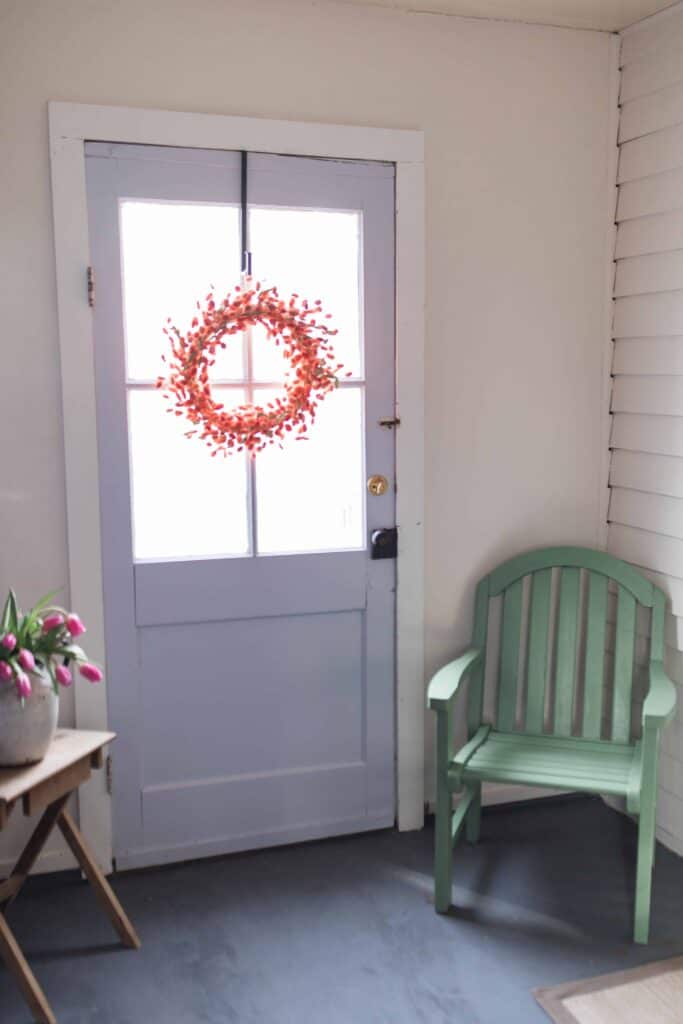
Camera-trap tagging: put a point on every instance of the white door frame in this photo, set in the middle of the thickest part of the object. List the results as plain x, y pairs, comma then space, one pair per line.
71, 125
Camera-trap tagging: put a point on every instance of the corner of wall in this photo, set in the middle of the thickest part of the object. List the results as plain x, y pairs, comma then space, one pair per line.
612, 167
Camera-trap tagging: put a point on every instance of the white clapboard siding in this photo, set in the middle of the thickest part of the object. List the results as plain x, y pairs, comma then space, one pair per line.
656, 70
675, 667
649, 36
658, 232
652, 315
661, 193
657, 395
661, 435
640, 547
646, 356
672, 739
645, 512
646, 472
673, 636
660, 151
650, 113
647, 549
655, 474
659, 513
673, 587
670, 775
656, 272
669, 816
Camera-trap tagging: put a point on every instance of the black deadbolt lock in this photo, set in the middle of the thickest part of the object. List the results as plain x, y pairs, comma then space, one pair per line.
384, 543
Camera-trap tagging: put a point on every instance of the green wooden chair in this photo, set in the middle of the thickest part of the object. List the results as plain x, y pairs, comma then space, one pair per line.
544, 748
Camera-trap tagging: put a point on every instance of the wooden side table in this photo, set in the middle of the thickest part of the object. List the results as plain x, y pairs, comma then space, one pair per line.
47, 787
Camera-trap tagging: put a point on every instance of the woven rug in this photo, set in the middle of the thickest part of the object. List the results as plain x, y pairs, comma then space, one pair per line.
652, 994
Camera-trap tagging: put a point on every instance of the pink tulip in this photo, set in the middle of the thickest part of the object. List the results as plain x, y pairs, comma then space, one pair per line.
63, 675
23, 685
90, 672
74, 625
52, 621
9, 641
26, 660
6, 672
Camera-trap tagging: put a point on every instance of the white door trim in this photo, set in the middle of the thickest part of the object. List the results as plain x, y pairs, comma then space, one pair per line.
71, 124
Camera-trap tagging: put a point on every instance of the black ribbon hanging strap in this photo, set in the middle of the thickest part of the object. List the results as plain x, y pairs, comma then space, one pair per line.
246, 254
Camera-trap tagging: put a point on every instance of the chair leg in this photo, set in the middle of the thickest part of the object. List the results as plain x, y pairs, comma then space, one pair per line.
474, 815
443, 849
646, 849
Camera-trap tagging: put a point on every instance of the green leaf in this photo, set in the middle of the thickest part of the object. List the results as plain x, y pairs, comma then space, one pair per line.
23, 631
72, 651
32, 618
13, 612
46, 599
53, 677
4, 621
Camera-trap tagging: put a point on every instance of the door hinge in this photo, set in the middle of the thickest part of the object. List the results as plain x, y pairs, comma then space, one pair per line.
389, 422
91, 287
108, 774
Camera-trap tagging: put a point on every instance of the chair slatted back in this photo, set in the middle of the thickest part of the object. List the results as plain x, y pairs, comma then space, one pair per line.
564, 627
567, 638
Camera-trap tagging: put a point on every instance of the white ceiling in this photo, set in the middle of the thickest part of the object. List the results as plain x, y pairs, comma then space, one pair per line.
607, 15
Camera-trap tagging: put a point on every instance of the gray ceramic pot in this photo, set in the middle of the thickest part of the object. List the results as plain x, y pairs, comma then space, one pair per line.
26, 732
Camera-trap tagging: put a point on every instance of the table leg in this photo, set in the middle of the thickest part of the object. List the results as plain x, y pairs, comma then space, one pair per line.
24, 976
32, 850
55, 814
99, 883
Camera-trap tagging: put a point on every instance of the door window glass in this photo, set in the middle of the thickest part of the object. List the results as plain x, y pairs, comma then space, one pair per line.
310, 497
186, 504
171, 254
306, 496
316, 253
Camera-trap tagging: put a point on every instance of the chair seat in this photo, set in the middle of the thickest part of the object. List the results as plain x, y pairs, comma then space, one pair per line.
592, 766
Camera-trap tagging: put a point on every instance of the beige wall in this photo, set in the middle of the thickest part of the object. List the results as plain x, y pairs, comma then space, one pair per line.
516, 127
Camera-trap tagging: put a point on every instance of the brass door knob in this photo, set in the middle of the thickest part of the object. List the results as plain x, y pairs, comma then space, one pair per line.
378, 485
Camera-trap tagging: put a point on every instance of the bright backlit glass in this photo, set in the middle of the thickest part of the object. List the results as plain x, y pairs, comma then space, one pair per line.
172, 255
317, 254
307, 495
310, 493
186, 504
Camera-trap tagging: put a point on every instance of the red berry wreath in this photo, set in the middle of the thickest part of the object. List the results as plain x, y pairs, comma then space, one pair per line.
295, 325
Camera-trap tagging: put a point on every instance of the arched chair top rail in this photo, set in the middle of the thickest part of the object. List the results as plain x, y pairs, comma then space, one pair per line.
573, 557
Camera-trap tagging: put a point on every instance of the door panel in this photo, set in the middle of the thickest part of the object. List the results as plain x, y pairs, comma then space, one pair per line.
334, 581
250, 637
264, 731
267, 810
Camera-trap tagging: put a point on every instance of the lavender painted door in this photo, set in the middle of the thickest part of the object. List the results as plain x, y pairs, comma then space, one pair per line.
250, 637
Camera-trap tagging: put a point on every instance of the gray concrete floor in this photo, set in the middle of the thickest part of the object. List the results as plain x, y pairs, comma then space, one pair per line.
343, 931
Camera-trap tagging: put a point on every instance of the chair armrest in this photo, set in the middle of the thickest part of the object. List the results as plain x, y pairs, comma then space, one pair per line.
445, 685
660, 703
